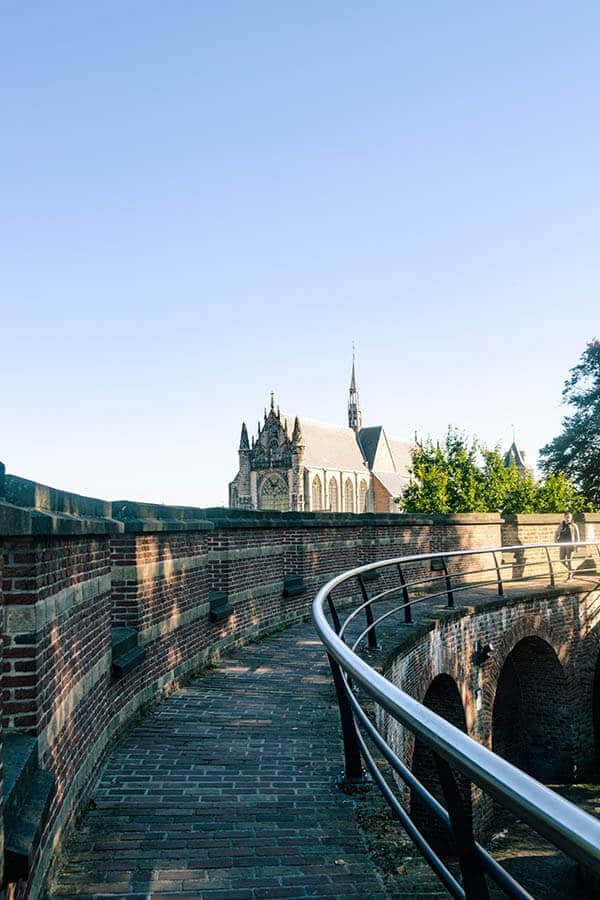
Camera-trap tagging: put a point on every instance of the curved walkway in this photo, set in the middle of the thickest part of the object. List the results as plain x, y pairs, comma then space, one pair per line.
226, 790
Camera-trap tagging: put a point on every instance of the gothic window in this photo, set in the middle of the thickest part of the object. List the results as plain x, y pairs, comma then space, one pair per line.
333, 496
362, 503
348, 496
316, 494
274, 493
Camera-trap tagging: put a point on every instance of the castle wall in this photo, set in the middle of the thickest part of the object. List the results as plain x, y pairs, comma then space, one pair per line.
74, 569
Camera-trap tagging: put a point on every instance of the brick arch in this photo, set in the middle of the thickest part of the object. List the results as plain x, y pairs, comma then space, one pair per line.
526, 626
531, 718
443, 697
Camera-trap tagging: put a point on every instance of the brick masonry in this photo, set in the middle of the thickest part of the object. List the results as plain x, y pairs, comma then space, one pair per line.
72, 568
532, 701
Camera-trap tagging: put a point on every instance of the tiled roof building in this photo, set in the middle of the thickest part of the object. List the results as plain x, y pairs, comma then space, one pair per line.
300, 464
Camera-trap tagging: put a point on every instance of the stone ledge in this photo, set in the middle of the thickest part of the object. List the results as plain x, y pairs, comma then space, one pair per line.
28, 795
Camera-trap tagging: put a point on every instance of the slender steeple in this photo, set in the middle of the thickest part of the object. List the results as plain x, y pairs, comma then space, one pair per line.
354, 410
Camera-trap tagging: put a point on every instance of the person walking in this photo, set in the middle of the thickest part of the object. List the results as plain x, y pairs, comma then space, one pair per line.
567, 533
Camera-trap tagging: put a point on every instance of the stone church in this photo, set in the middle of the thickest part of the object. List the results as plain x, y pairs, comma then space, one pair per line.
311, 466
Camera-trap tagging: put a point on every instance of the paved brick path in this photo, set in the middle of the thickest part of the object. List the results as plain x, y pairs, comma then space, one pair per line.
226, 790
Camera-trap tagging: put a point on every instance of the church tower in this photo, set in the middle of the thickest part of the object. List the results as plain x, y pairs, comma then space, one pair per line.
354, 410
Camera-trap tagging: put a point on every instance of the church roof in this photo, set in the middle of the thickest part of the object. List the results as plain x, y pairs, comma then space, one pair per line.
514, 457
329, 446
392, 482
383, 453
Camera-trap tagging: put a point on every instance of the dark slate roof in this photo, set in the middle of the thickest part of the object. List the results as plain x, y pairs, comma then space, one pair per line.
369, 439
514, 457
383, 453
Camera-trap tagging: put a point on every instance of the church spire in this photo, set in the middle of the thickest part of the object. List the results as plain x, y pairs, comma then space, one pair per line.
244, 443
354, 410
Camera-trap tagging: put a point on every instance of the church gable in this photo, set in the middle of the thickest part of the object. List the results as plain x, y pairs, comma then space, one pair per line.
272, 449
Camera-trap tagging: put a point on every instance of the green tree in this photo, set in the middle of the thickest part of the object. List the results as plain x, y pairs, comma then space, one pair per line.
445, 478
462, 475
557, 494
576, 451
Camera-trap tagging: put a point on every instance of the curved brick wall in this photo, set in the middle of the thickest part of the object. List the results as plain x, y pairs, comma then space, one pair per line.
547, 647
74, 568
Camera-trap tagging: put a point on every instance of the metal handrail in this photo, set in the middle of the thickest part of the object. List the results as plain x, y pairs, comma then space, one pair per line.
565, 825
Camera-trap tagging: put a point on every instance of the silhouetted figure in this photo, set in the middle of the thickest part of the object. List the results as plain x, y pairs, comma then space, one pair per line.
567, 533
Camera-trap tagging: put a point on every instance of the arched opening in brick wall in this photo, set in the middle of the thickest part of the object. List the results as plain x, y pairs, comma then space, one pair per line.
531, 723
443, 697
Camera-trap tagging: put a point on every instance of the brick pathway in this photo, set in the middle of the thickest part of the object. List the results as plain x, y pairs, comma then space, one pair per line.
226, 790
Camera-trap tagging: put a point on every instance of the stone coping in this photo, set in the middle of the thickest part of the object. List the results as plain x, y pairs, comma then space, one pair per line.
30, 508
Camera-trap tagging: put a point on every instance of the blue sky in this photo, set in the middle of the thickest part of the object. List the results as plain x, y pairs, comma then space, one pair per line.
203, 202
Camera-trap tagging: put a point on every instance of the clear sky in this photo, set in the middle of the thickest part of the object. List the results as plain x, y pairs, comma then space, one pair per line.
205, 201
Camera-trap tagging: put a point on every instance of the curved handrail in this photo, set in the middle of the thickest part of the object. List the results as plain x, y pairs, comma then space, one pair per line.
561, 822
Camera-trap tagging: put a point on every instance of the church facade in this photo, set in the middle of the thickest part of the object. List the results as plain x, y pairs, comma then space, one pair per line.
307, 466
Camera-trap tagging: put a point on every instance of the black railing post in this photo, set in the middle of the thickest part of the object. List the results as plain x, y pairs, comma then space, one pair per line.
498, 575
405, 597
473, 877
449, 593
372, 637
334, 616
550, 568
353, 769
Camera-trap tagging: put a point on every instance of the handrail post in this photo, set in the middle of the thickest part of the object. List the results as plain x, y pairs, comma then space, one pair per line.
334, 616
473, 878
372, 636
498, 575
405, 597
353, 769
550, 568
449, 593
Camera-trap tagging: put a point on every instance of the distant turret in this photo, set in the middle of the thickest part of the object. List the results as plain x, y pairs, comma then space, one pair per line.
243, 491
297, 447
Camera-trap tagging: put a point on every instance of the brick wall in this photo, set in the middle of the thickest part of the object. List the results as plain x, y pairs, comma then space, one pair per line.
72, 568
533, 700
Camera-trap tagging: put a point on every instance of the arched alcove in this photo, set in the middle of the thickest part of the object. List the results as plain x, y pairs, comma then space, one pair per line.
531, 722
443, 697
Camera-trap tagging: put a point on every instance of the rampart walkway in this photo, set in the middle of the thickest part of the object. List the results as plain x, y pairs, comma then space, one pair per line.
227, 791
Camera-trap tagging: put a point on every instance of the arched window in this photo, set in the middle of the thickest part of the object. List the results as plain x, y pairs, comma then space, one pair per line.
348, 496
316, 494
274, 493
362, 503
333, 496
